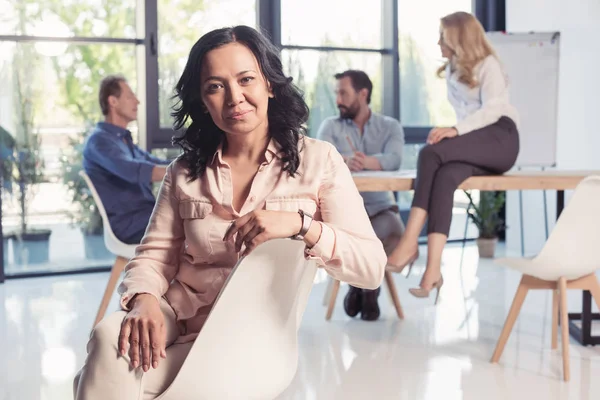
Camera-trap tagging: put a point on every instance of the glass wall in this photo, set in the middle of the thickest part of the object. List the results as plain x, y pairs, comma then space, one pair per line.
423, 96
333, 23
313, 72
48, 103
342, 36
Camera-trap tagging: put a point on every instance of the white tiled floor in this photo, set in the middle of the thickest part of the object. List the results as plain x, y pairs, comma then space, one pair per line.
435, 353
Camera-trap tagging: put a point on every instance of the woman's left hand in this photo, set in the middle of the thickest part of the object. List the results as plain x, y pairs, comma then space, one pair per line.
437, 134
258, 226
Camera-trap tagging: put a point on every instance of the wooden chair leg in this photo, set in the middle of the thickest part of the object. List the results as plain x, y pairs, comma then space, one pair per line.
389, 280
327, 294
510, 319
115, 273
564, 322
555, 308
334, 292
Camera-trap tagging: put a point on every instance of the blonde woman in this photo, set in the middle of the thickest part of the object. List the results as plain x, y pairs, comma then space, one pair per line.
484, 141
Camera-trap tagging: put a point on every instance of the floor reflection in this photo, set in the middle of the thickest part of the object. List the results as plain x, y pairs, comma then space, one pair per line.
435, 353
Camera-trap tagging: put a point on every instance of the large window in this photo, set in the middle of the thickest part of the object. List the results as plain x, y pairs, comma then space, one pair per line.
313, 72
339, 37
70, 18
336, 23
422, 94
53, 55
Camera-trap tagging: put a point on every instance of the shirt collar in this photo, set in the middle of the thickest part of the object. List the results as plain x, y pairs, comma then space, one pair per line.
350, 121
113, 129
273, 151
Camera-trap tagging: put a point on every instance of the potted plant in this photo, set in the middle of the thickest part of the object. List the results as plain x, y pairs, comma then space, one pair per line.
30, 245
85, 215
486, 216
27, 171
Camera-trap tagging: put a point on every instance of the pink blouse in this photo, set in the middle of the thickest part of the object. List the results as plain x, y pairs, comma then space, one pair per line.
183, 256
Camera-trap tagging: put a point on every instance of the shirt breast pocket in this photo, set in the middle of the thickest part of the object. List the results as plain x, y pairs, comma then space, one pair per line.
291, 204
198, 222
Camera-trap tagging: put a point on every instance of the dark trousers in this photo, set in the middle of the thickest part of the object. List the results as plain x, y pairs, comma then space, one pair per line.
442, 167
134, 238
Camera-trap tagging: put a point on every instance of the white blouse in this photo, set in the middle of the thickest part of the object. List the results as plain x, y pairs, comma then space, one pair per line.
484, 104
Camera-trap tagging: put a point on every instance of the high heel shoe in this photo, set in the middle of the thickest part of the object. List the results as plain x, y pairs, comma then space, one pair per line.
399, 268
424, 293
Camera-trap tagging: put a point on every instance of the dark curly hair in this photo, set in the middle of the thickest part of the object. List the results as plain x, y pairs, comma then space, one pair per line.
287, 111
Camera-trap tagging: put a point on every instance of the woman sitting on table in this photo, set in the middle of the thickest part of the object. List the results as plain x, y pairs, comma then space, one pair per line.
484, 141
247, 175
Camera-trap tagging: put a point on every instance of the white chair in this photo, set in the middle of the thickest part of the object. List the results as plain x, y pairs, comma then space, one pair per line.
568, 260
122, 250
248, 347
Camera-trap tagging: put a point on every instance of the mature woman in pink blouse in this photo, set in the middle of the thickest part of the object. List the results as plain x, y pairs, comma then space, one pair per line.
247, 175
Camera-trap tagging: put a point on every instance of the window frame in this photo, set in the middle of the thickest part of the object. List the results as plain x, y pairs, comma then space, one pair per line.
269, 19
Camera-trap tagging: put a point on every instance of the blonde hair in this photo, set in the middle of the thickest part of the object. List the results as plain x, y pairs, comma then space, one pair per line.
465, 36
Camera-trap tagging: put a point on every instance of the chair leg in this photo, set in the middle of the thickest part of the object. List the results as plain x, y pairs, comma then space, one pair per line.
328, 290
564, 322
389, 280
115, 273
334, 292
510, 319
555, 308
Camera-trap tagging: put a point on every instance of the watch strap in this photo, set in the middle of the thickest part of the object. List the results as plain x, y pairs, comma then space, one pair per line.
306, 221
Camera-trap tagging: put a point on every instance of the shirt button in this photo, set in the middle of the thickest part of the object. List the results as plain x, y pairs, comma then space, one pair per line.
252, 198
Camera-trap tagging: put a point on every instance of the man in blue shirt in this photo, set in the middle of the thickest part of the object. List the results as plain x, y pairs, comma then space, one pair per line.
121, 172
367, 141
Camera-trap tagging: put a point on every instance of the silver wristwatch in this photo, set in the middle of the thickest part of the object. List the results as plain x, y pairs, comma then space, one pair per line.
306, 221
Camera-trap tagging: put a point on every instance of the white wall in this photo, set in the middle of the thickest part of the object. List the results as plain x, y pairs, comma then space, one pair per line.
578, 145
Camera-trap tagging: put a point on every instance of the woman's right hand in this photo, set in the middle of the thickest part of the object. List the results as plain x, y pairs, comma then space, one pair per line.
144, 330
436, 135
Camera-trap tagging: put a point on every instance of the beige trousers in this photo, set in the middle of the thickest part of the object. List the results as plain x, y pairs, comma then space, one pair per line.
108, 376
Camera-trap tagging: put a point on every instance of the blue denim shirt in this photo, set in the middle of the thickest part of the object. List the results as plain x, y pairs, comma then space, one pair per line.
382, 138
122, 175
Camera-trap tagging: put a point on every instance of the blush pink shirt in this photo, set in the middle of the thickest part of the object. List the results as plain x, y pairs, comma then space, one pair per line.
184, 259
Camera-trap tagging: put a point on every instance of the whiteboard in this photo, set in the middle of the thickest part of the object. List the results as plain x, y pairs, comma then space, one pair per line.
531, 63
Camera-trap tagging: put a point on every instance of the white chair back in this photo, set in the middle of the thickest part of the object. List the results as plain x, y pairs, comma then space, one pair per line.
572, 250
113, 244
248, 347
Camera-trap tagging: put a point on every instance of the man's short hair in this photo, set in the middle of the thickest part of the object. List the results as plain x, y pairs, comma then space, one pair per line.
110, 86
360, 80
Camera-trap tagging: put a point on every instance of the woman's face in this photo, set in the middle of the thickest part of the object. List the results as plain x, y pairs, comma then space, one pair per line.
444, 48
234, 90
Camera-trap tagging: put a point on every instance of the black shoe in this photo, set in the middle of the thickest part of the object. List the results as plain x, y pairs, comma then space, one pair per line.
353, 301
370, 308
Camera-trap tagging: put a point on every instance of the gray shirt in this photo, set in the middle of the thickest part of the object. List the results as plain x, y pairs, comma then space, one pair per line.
383, 138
